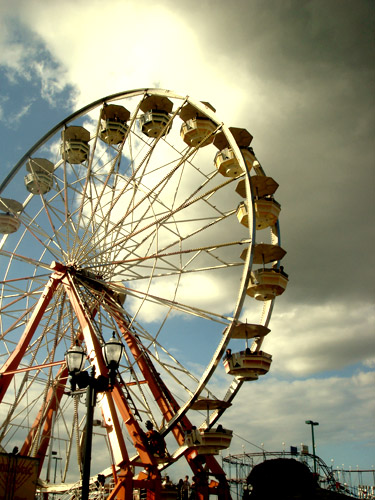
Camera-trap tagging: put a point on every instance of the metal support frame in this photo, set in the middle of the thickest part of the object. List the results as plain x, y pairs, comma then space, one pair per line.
61, 276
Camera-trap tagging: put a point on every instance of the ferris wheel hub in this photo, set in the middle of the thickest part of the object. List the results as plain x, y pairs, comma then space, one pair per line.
57, 266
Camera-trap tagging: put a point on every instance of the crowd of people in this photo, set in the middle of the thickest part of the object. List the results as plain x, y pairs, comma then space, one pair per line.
185, 489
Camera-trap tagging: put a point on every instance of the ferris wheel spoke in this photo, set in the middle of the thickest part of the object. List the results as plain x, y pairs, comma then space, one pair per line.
152, 196
164, 221
55, 232
69, 192
172, 366
11, 295
124, 266
99, 213
165, 217
169, 273
115, 199
117, 229
35, 229
87, 184
65, 222
163, 268
188, 309
23, 258
36, 232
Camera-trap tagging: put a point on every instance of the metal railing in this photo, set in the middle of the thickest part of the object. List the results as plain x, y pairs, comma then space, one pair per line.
238, 467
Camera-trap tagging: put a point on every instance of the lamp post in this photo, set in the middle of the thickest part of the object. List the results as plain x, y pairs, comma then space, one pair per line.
310, 422
75, 360
55, 458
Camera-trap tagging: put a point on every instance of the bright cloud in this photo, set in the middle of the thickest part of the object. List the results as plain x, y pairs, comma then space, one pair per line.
312, 338
127, 46
275, 411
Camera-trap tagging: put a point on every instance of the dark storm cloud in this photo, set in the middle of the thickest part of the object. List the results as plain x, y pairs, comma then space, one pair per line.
313, 63
277, 38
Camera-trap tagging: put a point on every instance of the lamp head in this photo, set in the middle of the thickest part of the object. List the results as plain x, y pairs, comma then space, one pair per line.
112, 352
75, 359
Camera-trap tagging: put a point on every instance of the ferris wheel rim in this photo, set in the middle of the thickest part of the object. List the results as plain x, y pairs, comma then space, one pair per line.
89, 107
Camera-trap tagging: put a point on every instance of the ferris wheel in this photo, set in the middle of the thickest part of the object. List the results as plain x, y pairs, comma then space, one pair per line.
144, 219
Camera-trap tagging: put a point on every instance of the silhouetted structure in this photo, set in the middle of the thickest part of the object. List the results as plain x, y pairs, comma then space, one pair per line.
285, 479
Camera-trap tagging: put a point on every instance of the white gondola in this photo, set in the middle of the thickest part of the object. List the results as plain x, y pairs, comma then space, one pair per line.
225, 160
209, 441
39, 180
154, 123
247, 365
197, 130
227, 163
266, 213
266, 283
8, 223
75, 147
9, 210
113, 125
156, 120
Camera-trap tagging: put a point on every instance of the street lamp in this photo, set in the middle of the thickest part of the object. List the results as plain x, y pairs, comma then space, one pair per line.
75, 360
55, 458
112, 352
310, 422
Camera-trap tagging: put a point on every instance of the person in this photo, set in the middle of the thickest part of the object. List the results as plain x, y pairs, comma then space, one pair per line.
228, 354
155, 441
166, 482
193, 493
179, 489
283, 272
185, 488
100, 481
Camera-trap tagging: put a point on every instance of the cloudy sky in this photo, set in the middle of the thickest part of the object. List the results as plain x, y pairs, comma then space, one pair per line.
299, 75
